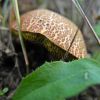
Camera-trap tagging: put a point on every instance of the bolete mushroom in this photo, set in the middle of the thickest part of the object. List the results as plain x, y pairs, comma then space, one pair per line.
54, 31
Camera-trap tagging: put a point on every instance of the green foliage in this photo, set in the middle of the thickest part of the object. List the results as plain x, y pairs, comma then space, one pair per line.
97, 29
5, 12
96, 56
59, 80
2, 92
40, 1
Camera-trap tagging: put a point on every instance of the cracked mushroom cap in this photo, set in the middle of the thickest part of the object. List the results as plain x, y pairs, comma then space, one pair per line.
58, 29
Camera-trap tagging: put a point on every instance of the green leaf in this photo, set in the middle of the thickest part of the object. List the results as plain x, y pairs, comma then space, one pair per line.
96, 56
2, 92
59, 80
97, 29
5, 90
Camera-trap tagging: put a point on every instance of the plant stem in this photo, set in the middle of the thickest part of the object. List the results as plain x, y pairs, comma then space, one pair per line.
15, 5
76, 3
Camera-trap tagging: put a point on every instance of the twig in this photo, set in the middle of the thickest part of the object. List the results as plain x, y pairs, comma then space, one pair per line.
1, 18
15, 4
66, 54
76, 3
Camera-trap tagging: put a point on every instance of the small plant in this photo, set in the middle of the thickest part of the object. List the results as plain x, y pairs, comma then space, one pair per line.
2, 92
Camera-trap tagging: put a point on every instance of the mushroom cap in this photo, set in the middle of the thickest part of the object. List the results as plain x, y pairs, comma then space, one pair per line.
58, 29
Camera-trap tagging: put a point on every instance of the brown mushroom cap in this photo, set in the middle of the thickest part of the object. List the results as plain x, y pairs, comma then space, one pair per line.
56, 28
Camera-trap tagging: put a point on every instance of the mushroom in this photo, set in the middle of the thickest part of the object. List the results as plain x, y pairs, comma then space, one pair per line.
54, 31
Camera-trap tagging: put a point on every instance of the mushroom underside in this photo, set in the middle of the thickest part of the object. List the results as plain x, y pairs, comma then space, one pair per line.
56, 53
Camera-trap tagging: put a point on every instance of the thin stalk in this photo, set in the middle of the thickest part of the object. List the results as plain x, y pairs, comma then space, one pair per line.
15, 5
1, 18
78, 6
